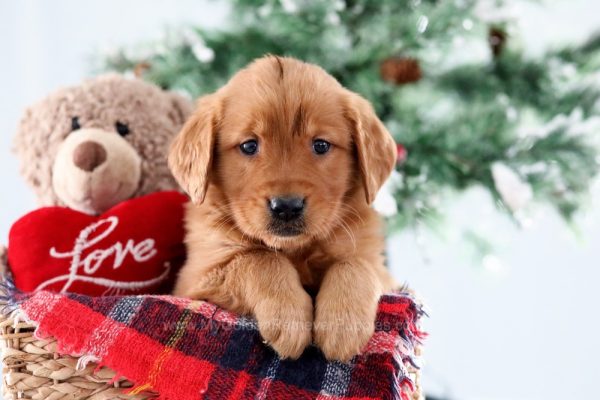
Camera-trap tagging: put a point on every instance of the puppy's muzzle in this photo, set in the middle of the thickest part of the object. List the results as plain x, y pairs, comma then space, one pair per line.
286, 208
287, 214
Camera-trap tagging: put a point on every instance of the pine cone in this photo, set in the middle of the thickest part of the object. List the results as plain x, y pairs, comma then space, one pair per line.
497, 40
140, 68
400, 70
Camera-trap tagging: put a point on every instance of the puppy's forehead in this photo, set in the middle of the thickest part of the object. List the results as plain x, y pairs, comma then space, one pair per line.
283, 96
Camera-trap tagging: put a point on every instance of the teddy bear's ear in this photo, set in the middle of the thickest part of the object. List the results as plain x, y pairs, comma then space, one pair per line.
181, 108
38, 134
191, 153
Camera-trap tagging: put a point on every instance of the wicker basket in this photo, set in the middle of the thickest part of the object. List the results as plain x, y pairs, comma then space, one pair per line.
32, 369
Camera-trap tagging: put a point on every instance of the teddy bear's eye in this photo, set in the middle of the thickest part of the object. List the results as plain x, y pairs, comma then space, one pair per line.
122, 128
75, 123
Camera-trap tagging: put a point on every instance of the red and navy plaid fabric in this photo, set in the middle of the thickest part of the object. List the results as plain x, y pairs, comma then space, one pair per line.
186, 349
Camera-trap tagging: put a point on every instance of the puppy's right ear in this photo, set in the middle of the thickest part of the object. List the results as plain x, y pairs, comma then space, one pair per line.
375, 147
191, 153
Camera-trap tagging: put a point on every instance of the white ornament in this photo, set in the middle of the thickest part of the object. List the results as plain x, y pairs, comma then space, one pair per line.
339, 5
333, 18
575, 124
515, 193
491, 262
265, 10
468, 24
385, 203
491, 11
422, 23
289, 6
203, 53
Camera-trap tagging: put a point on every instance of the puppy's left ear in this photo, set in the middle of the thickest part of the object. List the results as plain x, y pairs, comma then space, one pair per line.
375, 147
191, 153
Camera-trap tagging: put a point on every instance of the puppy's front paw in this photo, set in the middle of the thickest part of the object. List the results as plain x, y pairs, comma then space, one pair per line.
342, 329
286, 323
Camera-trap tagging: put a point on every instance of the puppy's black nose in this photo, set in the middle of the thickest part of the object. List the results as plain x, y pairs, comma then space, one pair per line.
286, 208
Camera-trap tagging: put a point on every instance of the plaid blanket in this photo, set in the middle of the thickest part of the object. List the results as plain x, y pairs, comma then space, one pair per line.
186, 349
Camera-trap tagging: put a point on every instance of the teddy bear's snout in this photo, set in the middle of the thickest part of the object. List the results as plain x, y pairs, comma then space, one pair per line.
89, 155
94, 169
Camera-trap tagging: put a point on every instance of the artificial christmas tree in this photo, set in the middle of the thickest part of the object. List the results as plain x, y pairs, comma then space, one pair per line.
463, 121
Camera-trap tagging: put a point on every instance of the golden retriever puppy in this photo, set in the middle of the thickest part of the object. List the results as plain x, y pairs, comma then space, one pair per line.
281, 165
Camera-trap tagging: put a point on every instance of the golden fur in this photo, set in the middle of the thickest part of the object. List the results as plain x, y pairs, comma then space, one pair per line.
233, 259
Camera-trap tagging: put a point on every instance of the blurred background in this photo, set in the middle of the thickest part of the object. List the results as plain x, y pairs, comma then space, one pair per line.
493, 211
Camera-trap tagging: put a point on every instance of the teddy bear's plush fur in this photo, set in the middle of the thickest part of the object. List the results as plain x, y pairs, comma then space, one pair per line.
93, 145
96, 144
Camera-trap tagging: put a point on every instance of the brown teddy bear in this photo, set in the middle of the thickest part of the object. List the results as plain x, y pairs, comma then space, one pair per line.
91, 149
94, 145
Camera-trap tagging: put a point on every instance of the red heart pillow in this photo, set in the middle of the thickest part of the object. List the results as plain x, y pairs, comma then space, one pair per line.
133, 248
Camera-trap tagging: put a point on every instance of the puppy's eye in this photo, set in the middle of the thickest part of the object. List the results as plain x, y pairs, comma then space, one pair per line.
75, 124
249, 147
122, 129
321, 146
